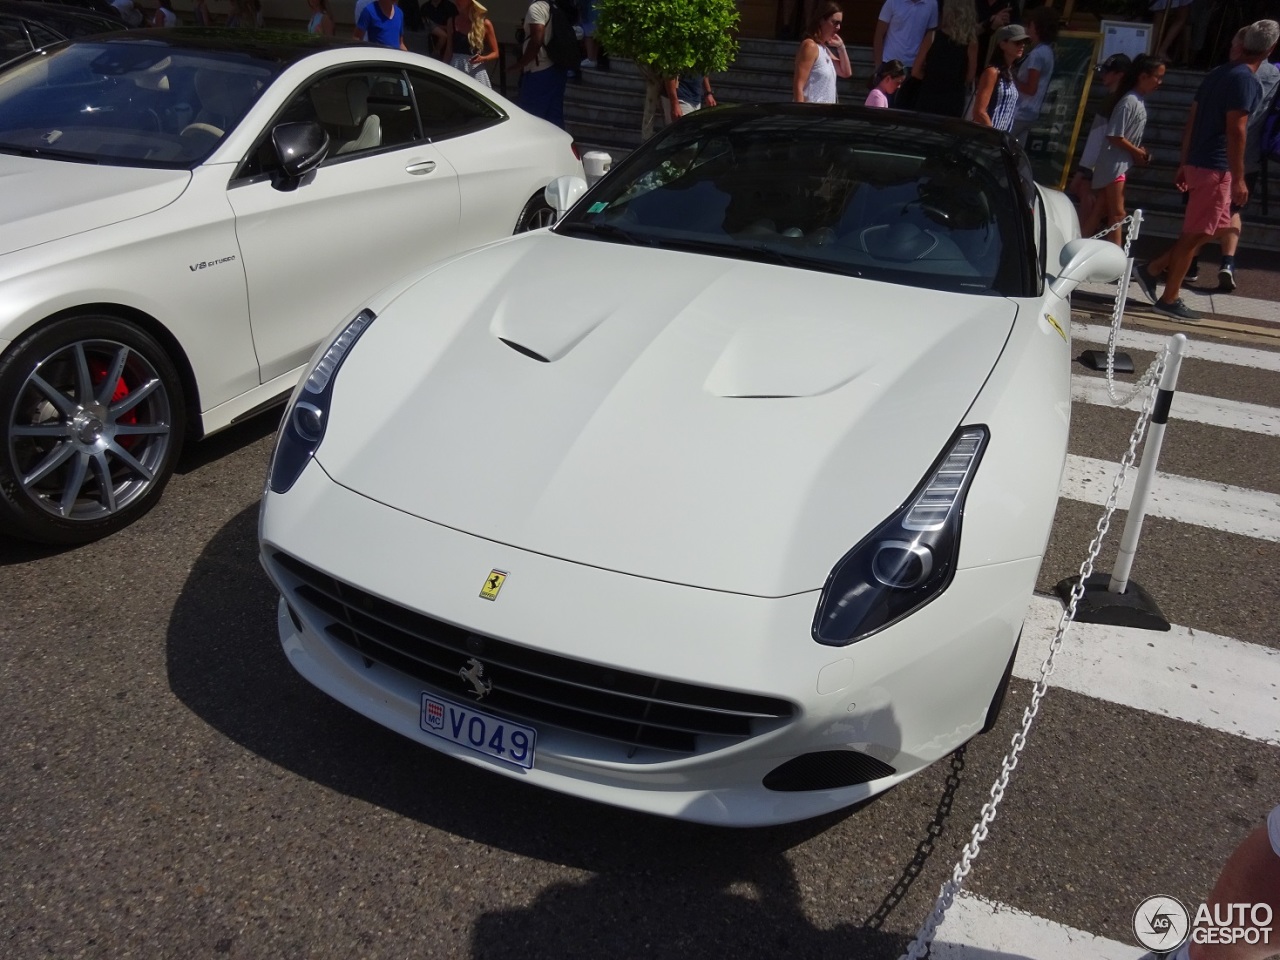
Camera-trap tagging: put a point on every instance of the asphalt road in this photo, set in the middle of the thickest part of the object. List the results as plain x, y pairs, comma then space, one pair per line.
169, 787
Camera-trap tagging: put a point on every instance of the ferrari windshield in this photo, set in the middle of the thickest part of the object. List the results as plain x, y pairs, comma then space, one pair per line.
841, 190
136, 103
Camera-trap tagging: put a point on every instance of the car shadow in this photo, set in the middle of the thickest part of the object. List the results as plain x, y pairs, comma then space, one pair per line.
200, 453
694, 889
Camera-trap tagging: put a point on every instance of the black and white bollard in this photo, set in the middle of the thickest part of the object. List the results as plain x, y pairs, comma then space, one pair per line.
1115, 599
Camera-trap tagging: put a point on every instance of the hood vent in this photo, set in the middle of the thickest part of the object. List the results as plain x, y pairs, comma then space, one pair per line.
518, 348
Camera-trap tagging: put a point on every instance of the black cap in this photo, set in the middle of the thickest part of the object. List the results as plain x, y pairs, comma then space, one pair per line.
1116, 62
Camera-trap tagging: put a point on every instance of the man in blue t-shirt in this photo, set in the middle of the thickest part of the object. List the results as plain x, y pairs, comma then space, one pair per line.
383, 24
1211, 171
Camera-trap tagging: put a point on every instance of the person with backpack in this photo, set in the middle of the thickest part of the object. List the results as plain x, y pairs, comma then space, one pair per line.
550, 51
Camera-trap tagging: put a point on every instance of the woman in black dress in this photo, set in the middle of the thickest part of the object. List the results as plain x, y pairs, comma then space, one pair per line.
950, 62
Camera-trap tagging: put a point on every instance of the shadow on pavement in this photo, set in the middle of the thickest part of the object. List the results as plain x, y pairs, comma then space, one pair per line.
739, 905
661, 887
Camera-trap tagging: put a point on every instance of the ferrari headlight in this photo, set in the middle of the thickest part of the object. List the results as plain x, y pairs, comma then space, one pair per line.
307, 413
909, 559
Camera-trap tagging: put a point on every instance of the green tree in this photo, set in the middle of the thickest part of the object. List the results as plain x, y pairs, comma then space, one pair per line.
666, 38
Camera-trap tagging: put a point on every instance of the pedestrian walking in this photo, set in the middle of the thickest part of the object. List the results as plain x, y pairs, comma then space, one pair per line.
1228, 237
949, 66
995, 102
885, 83
471, 41
1035, 70
321, 21
542, 82
821, 58
1211, 166
165, 17
1122, 148
685, 94
437, 14
902, 30
1111, 73
383, 23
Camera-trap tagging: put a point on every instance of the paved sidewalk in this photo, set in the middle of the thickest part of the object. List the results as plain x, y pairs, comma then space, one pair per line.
1251, 312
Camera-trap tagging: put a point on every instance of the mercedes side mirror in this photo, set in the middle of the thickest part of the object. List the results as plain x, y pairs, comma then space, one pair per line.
301, 147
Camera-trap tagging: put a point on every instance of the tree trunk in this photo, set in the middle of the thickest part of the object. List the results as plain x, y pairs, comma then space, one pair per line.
652, 105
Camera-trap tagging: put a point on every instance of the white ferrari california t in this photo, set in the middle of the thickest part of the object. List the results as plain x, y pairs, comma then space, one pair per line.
723, 498
183, 215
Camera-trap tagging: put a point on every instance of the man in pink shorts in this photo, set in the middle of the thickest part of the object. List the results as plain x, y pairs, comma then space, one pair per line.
1211, 169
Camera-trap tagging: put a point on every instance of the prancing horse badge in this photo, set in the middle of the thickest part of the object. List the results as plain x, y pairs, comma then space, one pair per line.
492, 584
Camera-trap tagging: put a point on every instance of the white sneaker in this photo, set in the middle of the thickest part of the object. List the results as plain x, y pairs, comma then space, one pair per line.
588, 63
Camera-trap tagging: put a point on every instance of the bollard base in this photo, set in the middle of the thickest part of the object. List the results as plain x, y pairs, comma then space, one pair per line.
1097, 360
1133, 608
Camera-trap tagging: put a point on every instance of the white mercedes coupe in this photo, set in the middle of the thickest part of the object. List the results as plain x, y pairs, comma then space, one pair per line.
723, 498
183, 215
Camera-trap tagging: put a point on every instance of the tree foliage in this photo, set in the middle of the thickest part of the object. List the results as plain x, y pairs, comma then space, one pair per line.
666, 38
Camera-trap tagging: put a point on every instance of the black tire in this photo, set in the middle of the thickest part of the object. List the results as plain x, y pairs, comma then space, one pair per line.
537, 213
78, 462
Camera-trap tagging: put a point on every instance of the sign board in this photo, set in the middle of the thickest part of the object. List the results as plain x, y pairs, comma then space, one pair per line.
1051, 142
1120, 36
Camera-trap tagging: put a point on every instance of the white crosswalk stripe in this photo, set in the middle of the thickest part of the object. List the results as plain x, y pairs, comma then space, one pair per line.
1229, 414
1199, 349
1191, 675
979, 929
1219, 506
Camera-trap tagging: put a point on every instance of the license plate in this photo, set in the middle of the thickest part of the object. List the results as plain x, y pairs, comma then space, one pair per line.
478, 731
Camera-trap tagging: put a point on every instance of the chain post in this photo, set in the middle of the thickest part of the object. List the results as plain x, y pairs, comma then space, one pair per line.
919, 947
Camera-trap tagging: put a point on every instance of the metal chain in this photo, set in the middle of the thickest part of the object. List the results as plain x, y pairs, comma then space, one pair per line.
1117, 309
919, 947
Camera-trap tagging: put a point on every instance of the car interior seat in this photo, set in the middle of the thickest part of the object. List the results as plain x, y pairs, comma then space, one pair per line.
224, 98
342, 107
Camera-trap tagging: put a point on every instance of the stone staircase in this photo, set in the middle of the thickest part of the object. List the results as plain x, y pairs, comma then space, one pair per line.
603, 110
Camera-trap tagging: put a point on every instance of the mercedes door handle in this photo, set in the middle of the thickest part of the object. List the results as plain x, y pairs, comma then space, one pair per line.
419, 167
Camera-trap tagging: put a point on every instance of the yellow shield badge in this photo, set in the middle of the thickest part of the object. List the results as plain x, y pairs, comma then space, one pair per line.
492, 584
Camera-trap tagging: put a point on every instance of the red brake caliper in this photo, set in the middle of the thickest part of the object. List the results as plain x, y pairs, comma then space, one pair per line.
98, 373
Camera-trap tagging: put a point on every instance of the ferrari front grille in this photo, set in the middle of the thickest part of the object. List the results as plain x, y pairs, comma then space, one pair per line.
529, 685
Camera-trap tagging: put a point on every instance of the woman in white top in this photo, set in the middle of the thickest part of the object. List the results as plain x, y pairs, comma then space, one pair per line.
321, 21
821, 57
165, 17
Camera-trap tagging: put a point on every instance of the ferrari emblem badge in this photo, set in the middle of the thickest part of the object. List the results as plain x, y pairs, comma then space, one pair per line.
492, 584
1057, 326
473, 673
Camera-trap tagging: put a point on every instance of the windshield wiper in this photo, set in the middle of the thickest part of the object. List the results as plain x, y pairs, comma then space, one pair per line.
46, 153
606, 230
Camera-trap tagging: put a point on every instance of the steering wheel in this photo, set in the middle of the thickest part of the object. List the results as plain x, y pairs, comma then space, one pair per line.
932, 211
201, 128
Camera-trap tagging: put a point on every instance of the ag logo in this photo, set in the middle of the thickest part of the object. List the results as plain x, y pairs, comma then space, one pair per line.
492, 584
1161, 924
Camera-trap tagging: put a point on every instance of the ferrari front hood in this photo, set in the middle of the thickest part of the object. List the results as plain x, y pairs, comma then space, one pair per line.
43, 199
723, 424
